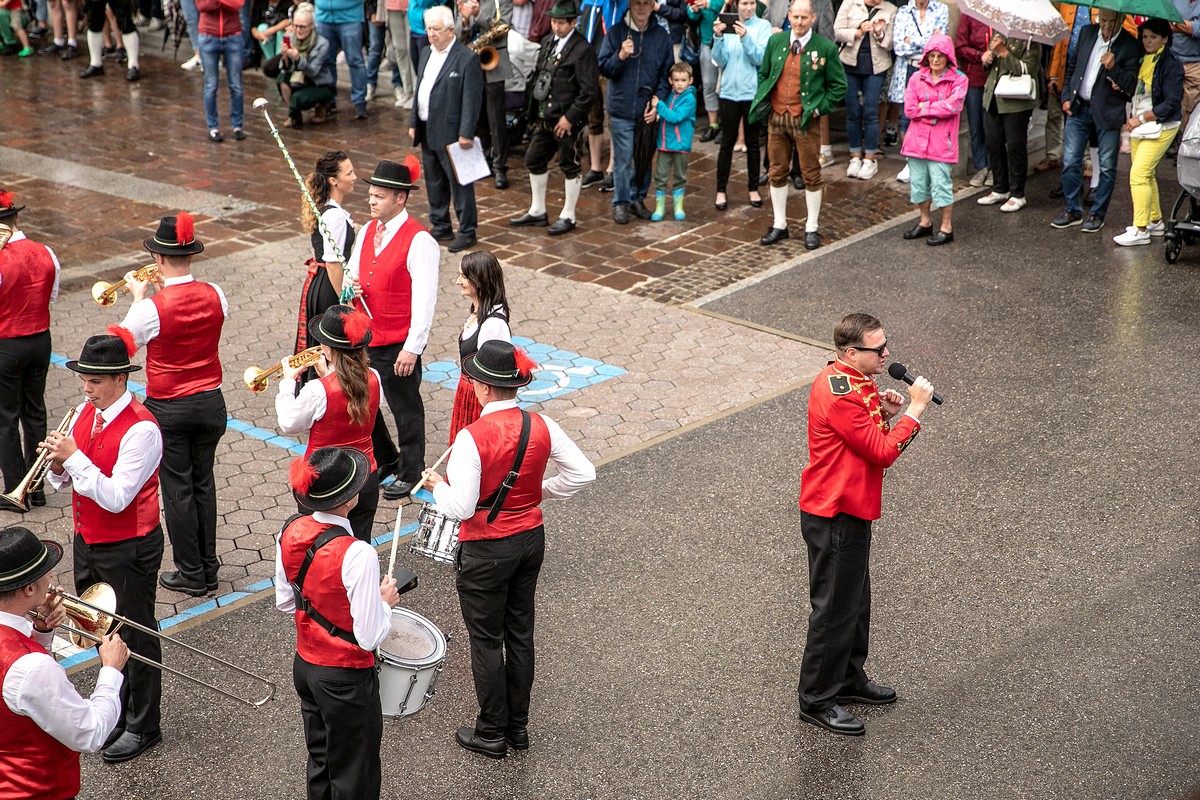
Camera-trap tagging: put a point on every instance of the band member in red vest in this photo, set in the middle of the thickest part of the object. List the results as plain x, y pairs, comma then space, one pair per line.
28, 285
110, 460
502, 539
44, 722
395, 270
343, 612
339, 409
180, 327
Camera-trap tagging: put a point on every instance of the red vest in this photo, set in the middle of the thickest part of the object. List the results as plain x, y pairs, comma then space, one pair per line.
496, 435
183, 359
386, 284
335, 428
33, 764
26, 281
92, 522
324, 588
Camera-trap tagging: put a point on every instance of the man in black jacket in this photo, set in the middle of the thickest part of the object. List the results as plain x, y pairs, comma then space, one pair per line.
563, 87
1101, 77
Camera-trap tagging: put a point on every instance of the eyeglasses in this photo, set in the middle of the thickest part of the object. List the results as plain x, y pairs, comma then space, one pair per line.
297, 27
876, 350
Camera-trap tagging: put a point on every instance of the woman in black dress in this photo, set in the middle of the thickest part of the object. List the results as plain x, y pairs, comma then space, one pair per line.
481, 281
329, 183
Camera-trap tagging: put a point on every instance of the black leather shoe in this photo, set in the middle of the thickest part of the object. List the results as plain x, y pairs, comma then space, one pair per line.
639, 210
1057, 193
872, 694
762, 179
918, 231
129, 746
835, 719
774, 236
527, 219
756, 203
92, 72
710, 133
117, 733
721, 206
461, 242
812, 240
621, 215
37, 497
239, 134
798, 182
132, 74
561, 226
396, 490
52, 48
442, 234
592, 177
177, 583
518, 739
608, 185
70, 52
469, 740
215, 136
940, 238
502, 179
211, 585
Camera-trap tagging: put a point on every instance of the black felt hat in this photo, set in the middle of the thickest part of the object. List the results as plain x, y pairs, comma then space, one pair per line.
498, 363
328, 477
176, 236
8, 205
24, 558
391, 175
103, 355
342, 328
564, 9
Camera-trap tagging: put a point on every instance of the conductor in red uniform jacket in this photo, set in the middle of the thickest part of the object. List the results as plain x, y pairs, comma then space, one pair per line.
854, 433
494, 484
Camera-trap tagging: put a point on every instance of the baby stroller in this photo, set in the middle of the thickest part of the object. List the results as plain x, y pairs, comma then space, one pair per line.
1183, 226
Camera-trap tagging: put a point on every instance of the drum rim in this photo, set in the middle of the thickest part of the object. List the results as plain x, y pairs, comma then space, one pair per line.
439, 650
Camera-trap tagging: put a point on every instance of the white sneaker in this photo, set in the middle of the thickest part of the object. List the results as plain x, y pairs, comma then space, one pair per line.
992, 198
990, 180
1132, 236
1158, 228
903, 176
979, 177
156, 24
385, 64
370, 92
826, 160
853, 167
870, 168
192, 63
1013, 204
403, 100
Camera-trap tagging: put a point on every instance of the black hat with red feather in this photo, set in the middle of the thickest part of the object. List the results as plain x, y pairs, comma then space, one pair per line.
499, 363
402, 177
342, 328
328, 477
8, 205
176, 236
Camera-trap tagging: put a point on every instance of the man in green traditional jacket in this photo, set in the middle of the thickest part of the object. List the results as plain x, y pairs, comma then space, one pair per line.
800, 80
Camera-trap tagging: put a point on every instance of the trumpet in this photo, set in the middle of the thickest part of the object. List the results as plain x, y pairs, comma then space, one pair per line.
94, 616
19, 497
257, 378
5, 234
105, 293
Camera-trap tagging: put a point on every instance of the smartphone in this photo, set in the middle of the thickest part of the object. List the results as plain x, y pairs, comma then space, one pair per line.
287, 41
727, 20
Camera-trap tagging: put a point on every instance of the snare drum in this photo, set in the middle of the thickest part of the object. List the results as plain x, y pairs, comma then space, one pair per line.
436, 536
411, 659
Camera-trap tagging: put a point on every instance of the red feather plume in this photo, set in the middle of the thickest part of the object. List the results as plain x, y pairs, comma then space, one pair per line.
185, 228
525, 364
301, 475
125, 335
356, 324
414, 167
6, 200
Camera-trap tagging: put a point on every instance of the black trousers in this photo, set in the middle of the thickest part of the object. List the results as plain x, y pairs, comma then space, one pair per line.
24, 362
496, 583
343, 728
442, 187
191, 428
730, 113
543, 145
839, 580
494, 134
403, 396
131, 568
1006, 136
362, 516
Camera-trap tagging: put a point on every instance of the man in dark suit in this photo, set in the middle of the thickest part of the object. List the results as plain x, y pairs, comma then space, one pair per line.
475, 19
449, 80
1101, 77
564, 86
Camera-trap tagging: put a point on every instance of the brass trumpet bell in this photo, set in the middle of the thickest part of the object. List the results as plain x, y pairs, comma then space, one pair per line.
105, 293
95, 618
256, 378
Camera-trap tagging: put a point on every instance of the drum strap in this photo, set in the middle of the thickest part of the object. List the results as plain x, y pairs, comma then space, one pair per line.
303, 603
496, 500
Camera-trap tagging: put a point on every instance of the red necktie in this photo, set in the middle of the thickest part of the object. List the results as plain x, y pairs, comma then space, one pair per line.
99, 426
378, 237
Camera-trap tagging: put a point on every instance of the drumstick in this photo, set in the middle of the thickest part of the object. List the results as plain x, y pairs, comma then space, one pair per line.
395, 539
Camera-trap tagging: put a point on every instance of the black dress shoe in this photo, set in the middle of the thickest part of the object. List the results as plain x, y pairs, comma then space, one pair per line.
621, 215
501, 179
211, 585
607, 185
469, 740
177, 583
1057, 193
872, 694
396, 490
518, 738
461, 242
592, 177
774, 236
918, 231
940, 238
92, 72
215, 136
798, 182
721, 206
70, 52
37, 497
442, 234
639, 210
762, 179
239, 134
132, 74
51, 49
812, 240
129, 746
117, 733
756, 203
561, 226
835, 719
710, 133
121, 56
527, 219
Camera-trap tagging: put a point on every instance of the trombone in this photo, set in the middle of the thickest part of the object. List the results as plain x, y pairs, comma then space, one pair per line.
19, 496
105, 293
256, 378
94, 615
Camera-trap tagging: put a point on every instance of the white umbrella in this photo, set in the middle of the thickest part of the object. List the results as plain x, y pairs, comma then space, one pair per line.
1038, 20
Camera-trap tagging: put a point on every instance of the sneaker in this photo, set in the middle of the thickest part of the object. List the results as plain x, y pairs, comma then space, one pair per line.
979, 177
891, 136
992, 198
592, 177
370, 92
1126, 142
1067, 220
26, 52
990, 180
903, 176
156, 24
1092, 224
870, 169
1132, 236
826, 160
853, 167
607, 185
140, 21
192, 63
1158, 228
1013, 204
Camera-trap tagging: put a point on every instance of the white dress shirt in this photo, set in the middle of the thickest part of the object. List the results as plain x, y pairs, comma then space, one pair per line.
1093, 67
337, 222
18, 236
433, 67
561, 43
360, 575
803, 40
298, 412
142, 318
459, 494
423, 259
38, 688
141, 450
494, 328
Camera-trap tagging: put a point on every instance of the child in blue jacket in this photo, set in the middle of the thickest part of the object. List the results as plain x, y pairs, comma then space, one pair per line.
677, 122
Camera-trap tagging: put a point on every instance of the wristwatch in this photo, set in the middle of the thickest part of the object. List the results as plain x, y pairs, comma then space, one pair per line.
1142, 118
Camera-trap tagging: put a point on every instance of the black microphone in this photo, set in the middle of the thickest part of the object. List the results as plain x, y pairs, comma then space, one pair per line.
901, 373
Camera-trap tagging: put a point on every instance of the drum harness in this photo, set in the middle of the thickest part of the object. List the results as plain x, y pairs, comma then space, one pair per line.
302, 602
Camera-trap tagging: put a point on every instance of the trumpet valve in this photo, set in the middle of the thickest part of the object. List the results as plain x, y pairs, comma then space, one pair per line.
254, 380
103, 294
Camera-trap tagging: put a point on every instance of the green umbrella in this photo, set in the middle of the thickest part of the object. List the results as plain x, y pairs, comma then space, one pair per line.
1163, 9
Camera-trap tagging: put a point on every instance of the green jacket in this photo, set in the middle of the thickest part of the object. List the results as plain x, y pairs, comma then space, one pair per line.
1018, 53
822, 77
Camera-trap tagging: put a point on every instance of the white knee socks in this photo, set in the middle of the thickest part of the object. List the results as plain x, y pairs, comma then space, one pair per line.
537, 185
779, 196
571, 190
131, 43
95, 49
813, 201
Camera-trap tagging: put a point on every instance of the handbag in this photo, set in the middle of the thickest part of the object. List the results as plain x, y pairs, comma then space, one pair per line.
1147, 130
1016, 87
